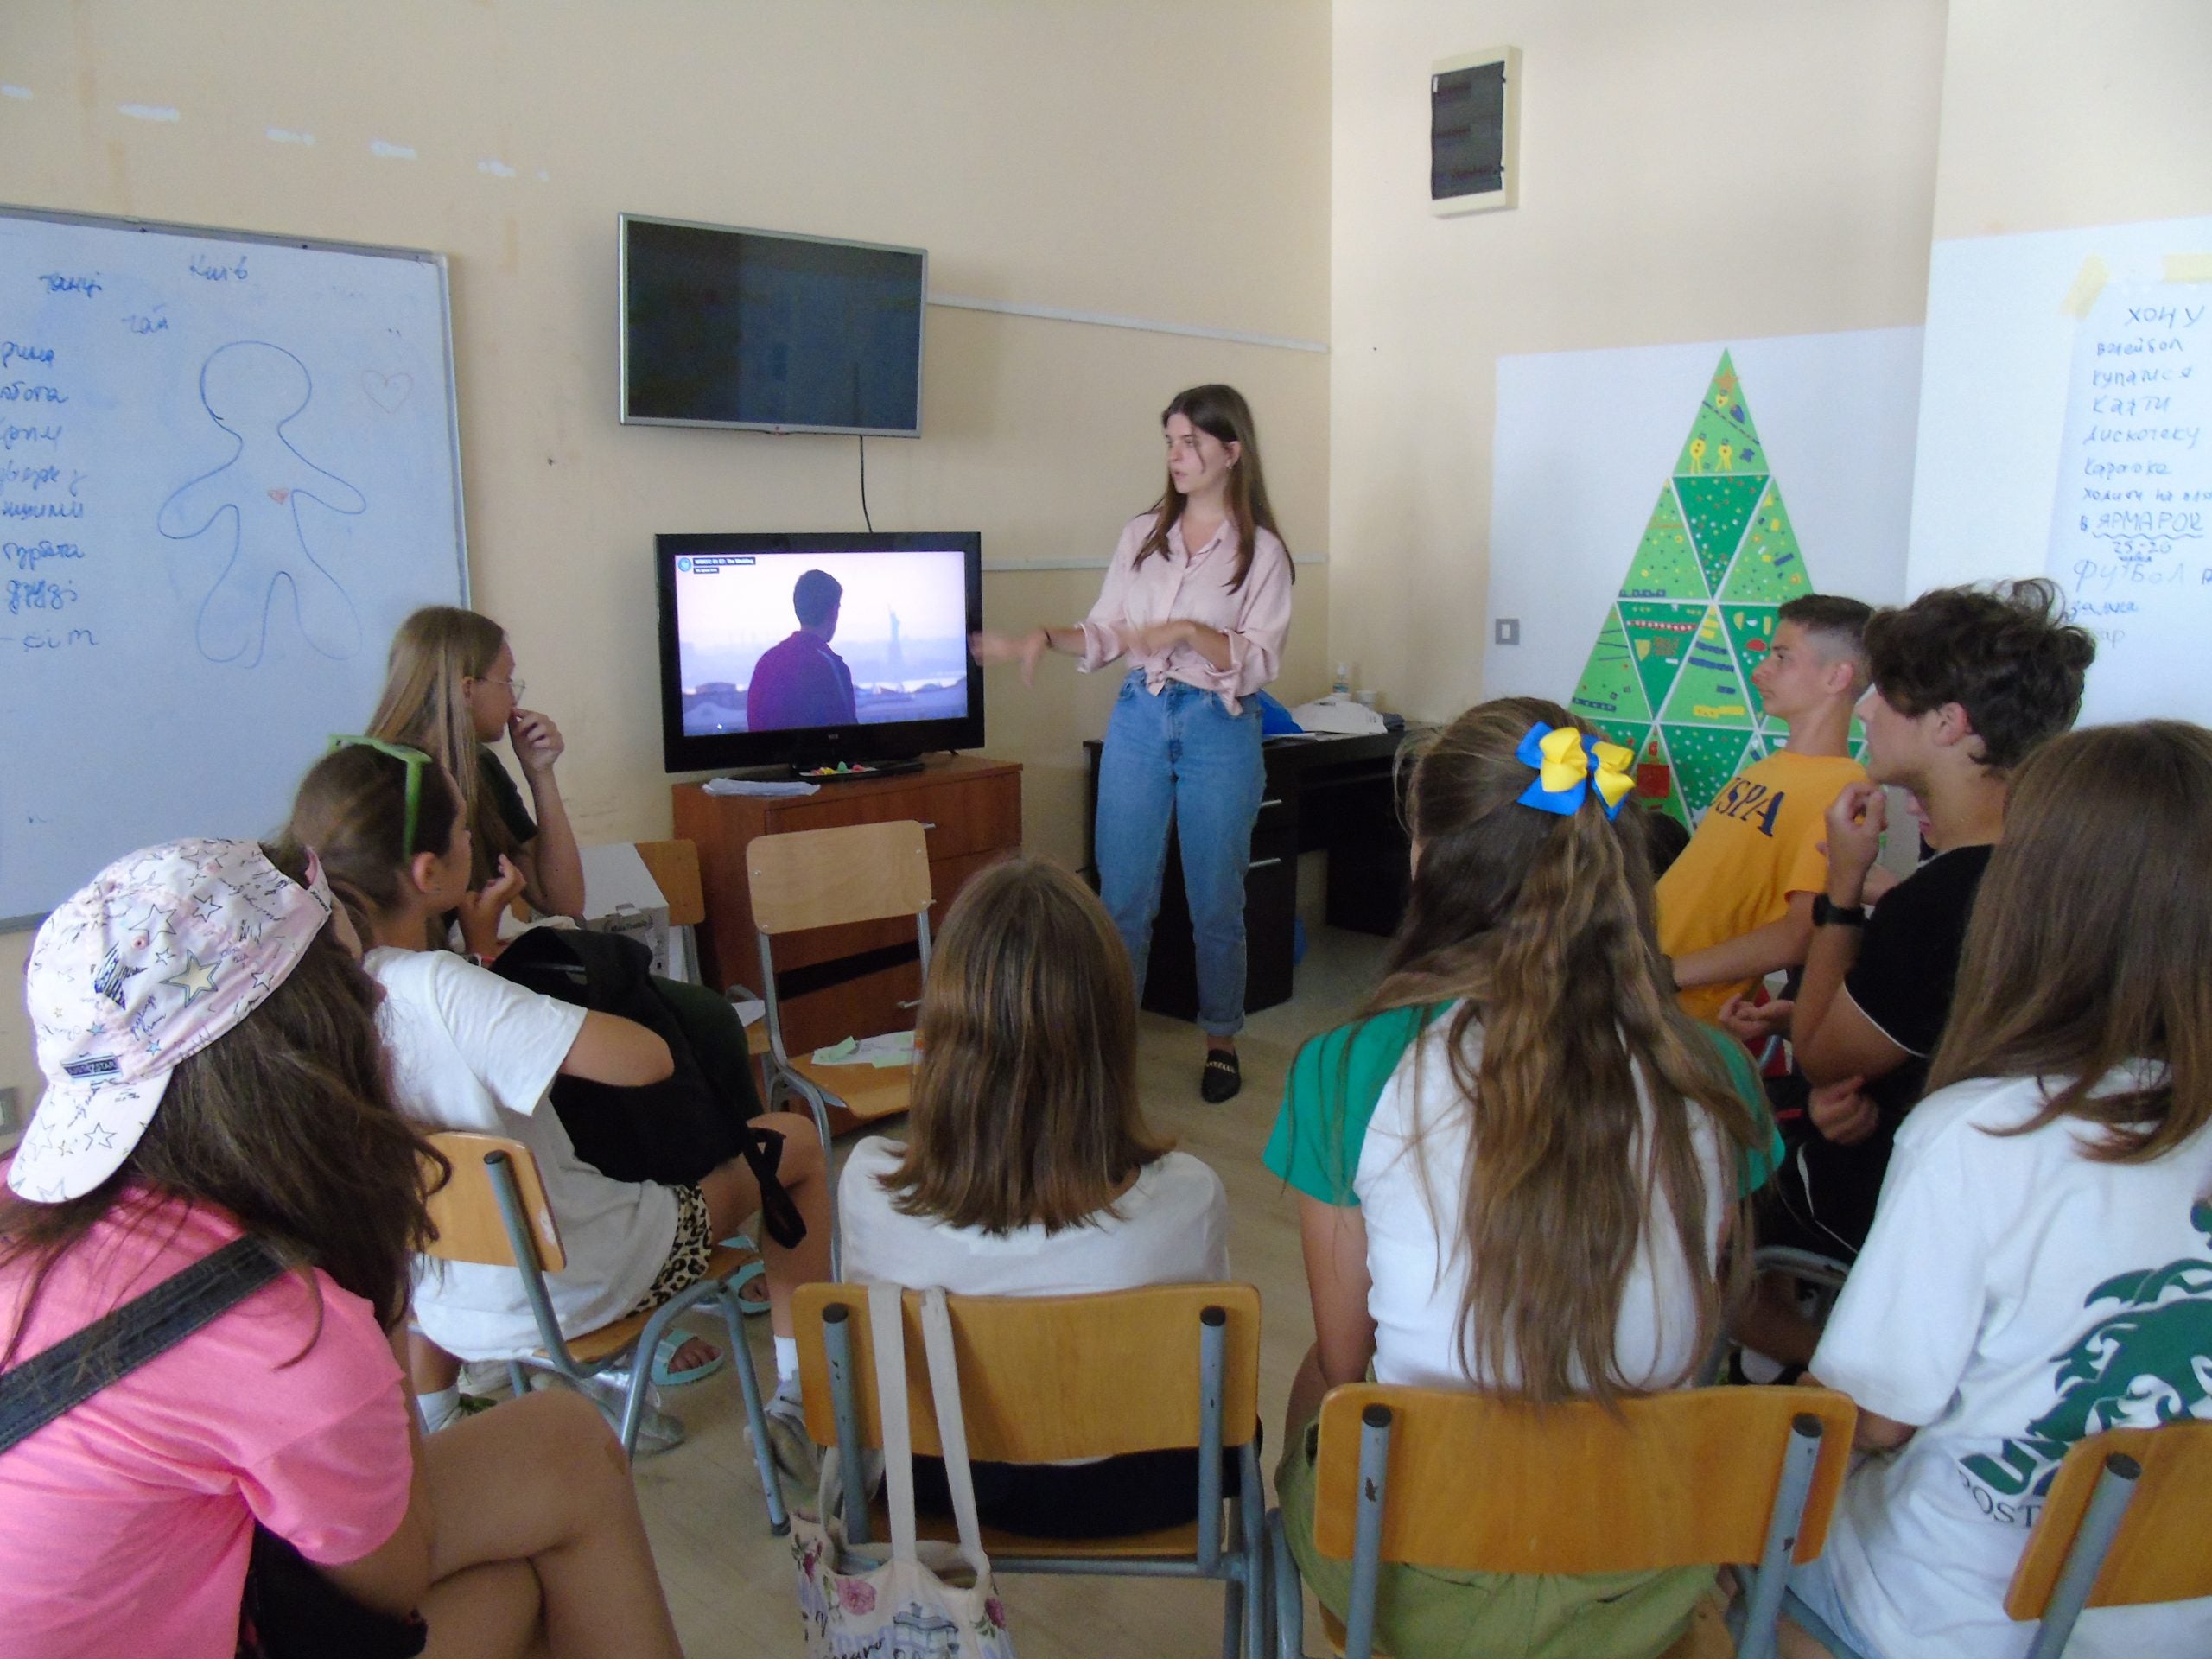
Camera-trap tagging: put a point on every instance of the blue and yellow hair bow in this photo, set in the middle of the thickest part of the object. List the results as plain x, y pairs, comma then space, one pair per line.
1567, 762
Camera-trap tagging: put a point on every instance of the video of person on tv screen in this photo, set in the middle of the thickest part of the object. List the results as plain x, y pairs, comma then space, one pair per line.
791, 641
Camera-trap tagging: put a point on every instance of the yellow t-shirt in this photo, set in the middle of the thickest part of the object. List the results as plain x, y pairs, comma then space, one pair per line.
1758, 842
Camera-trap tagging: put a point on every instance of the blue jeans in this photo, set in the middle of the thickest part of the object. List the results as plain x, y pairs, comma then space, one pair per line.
1814, 1585
1180, 757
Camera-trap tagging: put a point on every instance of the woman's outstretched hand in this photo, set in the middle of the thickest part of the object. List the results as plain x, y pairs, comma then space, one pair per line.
1026, 649
479, 911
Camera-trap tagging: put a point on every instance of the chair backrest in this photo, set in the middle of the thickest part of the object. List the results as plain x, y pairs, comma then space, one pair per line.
675, 867
1480, 1483
2159, 1553
466, 1210
1047, 1379
824, 878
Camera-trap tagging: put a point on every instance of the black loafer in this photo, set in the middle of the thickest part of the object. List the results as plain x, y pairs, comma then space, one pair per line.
1221, 1078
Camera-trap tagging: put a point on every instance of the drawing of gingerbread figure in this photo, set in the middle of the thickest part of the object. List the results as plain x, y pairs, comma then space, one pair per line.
253, 390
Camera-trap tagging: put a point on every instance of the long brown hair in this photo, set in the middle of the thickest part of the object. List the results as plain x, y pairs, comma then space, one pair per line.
287, 1122
1025, 1105
423, 704
1222, 413
2090, 938
1541, 925
351, 808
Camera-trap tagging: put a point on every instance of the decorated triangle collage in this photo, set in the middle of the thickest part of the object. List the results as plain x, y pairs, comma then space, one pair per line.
1670, 675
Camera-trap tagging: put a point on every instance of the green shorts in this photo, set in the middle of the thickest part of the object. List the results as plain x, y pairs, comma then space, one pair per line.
1421, 1614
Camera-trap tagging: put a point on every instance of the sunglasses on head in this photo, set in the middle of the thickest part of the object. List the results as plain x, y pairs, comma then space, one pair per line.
414, 760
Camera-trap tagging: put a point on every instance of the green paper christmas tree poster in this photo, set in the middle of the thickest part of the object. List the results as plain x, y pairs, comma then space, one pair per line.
1670, 675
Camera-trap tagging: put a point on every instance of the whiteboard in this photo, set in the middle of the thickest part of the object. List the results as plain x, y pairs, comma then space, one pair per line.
2065, 430
229, 468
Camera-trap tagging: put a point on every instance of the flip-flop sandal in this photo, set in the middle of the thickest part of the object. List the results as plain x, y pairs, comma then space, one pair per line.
1221, 1078
753, 1294
667, 1374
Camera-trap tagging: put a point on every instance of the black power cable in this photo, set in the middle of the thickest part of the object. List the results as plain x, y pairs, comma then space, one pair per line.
865, 520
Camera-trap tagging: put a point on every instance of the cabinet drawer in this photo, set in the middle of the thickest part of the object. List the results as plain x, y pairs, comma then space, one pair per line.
971, 815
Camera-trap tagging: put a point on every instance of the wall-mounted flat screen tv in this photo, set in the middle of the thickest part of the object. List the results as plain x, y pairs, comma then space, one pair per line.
815, 648
769, 332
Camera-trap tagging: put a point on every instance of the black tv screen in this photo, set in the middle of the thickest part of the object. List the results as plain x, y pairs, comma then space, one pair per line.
769, 332
817, 647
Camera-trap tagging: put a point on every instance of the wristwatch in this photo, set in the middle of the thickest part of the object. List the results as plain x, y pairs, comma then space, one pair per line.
1826, 914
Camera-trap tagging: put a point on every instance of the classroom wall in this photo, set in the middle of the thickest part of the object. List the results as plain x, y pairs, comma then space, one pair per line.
2060, 114
1699, 173
1047, 152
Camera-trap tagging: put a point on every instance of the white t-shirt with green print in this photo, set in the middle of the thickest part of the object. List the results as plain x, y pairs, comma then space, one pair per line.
2013, 1296
1371, 1119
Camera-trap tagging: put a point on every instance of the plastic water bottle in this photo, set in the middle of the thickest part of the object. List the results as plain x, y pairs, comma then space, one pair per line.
1343, 687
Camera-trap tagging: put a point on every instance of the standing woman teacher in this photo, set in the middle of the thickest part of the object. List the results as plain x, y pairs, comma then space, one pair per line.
1197, 598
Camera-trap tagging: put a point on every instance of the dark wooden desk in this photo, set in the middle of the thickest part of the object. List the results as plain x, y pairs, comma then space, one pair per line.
1338, 794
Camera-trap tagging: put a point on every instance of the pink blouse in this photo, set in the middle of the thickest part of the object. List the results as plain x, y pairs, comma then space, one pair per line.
1194, 587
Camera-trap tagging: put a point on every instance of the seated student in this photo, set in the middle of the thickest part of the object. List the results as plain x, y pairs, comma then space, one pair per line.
472, 1051
2040, 1267
1522, 1099
450, 690
800, 681
1028, 1170
213, 1071
1739, 903
1966, 684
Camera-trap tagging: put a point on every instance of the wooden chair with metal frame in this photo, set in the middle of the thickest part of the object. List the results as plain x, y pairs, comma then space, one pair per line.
1052, 1379
808, 879
1473, 1482
493, 1211
674, 866
2122, 1525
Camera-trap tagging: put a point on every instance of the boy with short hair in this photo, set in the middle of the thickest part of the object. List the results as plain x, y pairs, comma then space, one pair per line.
1739, 903
1966, 683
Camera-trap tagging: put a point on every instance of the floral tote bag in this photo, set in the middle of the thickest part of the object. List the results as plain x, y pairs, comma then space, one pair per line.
901, 1609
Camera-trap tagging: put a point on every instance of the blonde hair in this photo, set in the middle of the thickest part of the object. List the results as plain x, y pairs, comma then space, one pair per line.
1540, 924
2090, 935
1025, 1105
423, 705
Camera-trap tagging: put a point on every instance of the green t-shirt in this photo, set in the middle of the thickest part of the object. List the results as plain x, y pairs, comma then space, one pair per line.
1337, 1079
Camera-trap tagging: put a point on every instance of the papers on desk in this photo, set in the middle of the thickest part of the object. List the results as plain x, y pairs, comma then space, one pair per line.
894, 1048
758, 786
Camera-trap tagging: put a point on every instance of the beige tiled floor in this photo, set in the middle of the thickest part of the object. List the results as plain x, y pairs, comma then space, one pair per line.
729, 1583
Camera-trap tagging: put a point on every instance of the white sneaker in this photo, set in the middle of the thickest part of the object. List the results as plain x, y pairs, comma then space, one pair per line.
657, 1431
791, 1448
486, 1377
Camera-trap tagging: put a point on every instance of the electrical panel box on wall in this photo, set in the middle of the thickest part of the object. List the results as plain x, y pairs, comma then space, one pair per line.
1474, 132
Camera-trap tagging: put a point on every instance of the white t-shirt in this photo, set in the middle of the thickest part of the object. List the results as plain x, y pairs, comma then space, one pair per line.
1171, 1227
1358, 1100
2013, 1296
472, 1051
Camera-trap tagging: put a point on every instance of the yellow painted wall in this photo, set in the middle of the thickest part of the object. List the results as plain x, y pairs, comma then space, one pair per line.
1690, 173
1165, 161
2059, 114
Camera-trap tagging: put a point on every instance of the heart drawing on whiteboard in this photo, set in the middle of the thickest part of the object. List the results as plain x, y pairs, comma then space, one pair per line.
387, 392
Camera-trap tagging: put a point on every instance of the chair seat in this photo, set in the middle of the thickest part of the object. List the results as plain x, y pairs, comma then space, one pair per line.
1169, 1543
867, 1092
594, 1347
1706, 1637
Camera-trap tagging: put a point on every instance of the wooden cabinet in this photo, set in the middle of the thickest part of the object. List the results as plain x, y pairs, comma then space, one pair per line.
857, 981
